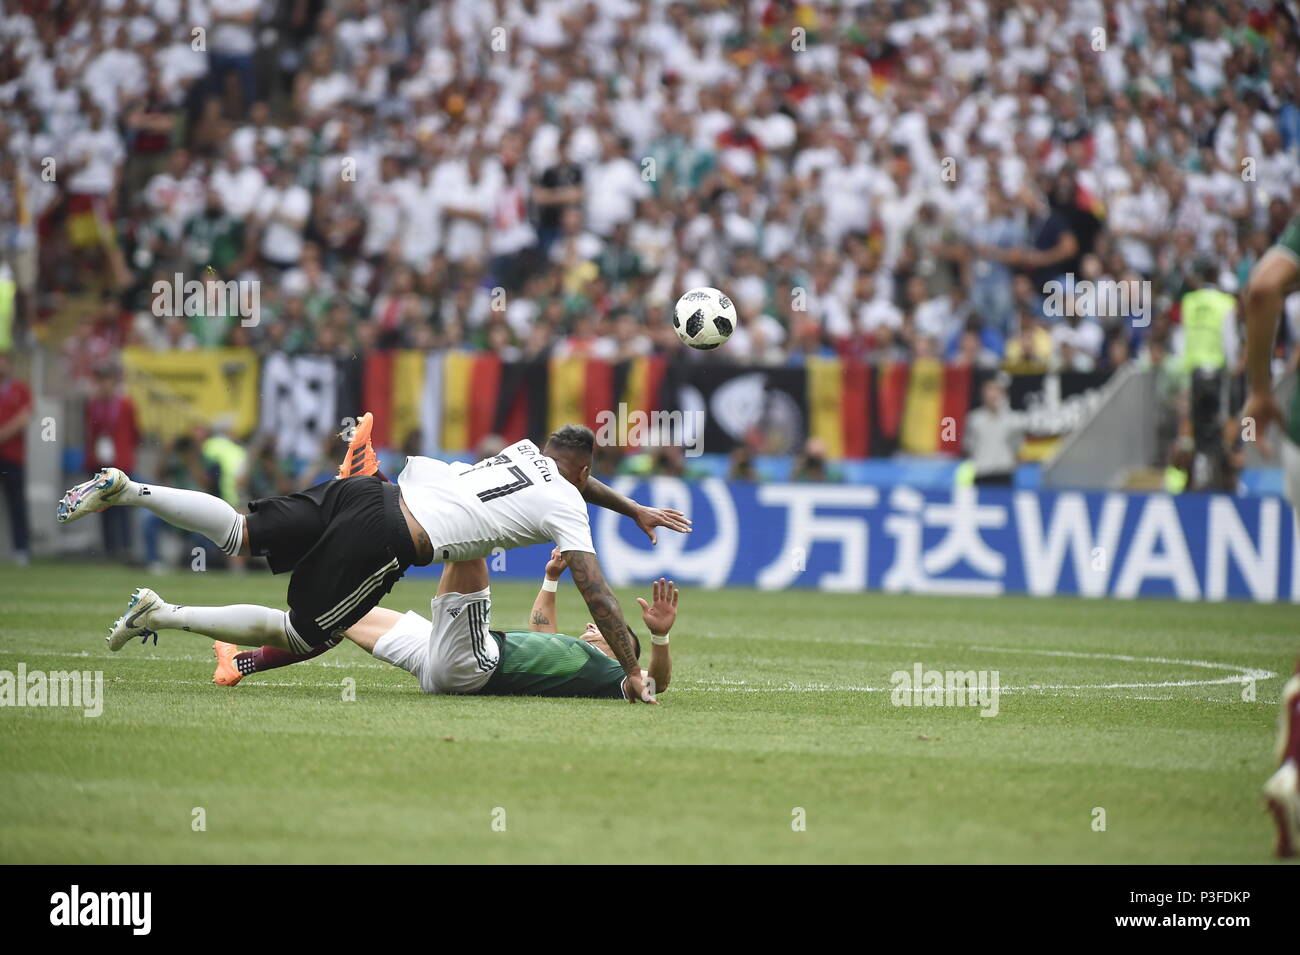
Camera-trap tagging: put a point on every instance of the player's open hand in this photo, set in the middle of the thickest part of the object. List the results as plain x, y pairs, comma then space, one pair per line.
556, 565
648, 518
660, 614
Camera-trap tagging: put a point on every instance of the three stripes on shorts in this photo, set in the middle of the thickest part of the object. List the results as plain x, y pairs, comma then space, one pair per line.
330, 618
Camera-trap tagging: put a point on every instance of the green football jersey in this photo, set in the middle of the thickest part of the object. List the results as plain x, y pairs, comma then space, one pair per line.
1289, 240
552, 664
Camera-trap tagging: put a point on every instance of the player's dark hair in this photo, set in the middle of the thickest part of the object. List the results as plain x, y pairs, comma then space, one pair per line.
572, 438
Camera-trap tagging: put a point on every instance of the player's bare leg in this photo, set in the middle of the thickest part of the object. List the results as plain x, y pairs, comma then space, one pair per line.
1282, 791
1275, 275
464, 577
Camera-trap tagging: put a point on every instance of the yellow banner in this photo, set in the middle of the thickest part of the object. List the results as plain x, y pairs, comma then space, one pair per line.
826, 404
174, 390
568, 389
456, 368
924, 407
408, 390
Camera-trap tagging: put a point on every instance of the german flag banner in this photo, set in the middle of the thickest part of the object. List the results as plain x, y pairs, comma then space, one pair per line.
639, 382
471, 396
886, 412
450, 401
522, 411
839, 405
434, 401
580, 389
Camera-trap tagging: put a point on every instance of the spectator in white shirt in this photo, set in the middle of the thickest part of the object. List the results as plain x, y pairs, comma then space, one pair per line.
283, 211
239, 184
613, 188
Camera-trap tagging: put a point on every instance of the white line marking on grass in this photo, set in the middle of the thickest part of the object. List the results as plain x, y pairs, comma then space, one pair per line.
1242, 675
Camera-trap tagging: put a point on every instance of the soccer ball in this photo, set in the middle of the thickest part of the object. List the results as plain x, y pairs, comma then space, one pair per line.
704, 318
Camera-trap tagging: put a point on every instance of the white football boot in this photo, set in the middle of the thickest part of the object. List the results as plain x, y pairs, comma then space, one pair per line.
97, 494
135, 622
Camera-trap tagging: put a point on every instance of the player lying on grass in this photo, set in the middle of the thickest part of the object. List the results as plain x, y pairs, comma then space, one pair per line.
346, 542
458, 652
1274, 276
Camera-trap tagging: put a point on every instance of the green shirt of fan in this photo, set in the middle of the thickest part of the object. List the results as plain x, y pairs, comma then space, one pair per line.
1205, 312
552, 664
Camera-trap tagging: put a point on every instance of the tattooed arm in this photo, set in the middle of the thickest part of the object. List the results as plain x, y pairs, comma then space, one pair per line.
608, 617
542, 618
647, 518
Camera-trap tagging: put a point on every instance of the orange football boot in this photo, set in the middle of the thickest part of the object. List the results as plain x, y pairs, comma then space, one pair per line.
226, 673
360, 457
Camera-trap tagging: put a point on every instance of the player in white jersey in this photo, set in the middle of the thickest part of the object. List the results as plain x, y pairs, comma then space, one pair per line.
515, 499
348, 541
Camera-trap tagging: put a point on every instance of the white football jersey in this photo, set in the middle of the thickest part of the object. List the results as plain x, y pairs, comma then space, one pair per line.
515, 499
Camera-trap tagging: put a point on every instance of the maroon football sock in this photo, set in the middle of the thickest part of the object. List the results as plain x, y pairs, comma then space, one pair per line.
269, 658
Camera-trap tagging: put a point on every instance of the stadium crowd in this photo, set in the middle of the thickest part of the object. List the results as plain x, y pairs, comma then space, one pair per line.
884, 180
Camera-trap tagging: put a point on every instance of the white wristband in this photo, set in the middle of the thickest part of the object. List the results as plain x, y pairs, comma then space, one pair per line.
658, 640
549, 585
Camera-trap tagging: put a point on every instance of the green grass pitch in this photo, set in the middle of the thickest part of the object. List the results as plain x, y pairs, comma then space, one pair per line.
780, 703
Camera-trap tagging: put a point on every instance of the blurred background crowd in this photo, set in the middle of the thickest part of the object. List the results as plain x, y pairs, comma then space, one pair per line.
882, 181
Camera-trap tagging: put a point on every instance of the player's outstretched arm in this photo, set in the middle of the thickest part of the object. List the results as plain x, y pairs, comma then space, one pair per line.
542, 618
659, 616
608, 617
647, 518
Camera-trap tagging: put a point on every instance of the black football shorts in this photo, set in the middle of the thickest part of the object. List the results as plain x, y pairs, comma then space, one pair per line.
345, 543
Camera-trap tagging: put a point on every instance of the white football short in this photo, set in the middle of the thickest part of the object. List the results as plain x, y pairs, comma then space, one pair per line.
453, 653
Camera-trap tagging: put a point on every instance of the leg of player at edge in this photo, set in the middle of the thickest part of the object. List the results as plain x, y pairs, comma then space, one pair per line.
1275, 275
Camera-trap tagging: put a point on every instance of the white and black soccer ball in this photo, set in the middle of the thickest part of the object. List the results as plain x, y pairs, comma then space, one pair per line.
704, 318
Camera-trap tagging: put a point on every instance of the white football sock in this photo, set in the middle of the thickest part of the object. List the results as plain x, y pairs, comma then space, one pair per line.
245, 624
189, 510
